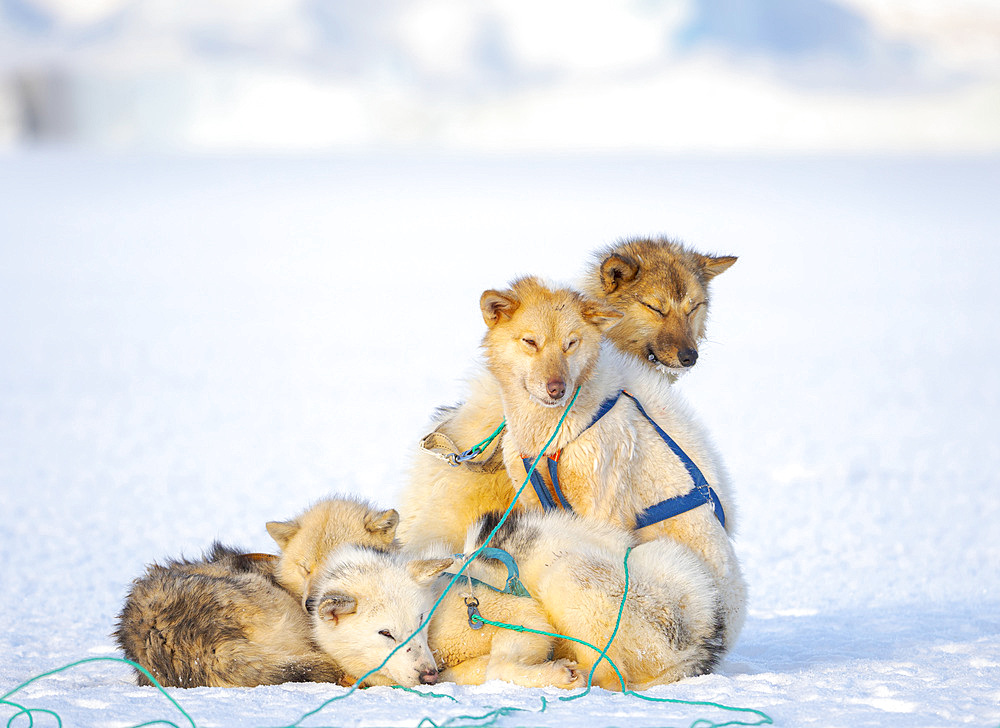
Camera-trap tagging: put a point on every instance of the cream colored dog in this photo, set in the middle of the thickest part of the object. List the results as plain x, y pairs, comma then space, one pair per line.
541, 345
365, 602
671, 622
663, 289
306, 540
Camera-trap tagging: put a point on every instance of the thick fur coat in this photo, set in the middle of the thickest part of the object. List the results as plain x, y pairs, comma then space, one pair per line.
660, 286
220, 621
365, 602
232, 619
671, 620
541, 346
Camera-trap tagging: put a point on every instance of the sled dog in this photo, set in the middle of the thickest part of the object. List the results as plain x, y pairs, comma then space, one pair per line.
306, 540
366, 601
671, 620
614, 458
220, 621
660, 286
440, 501
236, 620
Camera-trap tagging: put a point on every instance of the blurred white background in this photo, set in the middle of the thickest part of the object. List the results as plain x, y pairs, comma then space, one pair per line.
675, 76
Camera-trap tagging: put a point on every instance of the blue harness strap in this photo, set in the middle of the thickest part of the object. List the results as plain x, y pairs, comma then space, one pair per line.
513, 585
701, 494
538, 482
605, 407
677, 505
553, 464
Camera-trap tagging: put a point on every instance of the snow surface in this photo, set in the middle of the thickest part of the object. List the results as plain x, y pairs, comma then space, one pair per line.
190, 347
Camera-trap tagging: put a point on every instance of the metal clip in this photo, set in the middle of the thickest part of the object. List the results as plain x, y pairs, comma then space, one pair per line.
472, 604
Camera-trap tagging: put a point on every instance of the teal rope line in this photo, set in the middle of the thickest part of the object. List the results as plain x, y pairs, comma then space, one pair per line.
29, 713
423, 694
454, 579
478, 449
614, 633
521, 628
765, 719
21, 710
491, 717
603, 654
26, 683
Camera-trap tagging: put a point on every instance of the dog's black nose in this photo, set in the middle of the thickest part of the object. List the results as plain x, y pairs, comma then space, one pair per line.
429, 677
556, 388
687, 357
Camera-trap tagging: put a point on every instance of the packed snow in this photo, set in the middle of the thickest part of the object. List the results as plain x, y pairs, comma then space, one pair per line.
191, 347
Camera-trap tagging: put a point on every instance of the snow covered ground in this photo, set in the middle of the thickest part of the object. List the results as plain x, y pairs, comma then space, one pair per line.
190, 347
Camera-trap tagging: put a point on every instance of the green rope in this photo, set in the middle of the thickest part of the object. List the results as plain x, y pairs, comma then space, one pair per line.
423, 694
614, 633
603, 653
764, 718
478, 449
454, 579
29, 713
26, 683
491, 717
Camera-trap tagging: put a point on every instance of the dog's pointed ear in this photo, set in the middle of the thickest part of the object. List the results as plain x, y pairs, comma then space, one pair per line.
330, 607
711, 267
282, 531
601, 316
617, 270
383, 524
497, 306
423, 570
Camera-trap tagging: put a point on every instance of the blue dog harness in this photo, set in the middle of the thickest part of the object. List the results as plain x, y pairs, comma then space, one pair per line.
700, 494
513, 586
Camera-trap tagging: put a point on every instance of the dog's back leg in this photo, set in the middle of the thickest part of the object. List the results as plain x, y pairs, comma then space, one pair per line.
512, 660
525, 658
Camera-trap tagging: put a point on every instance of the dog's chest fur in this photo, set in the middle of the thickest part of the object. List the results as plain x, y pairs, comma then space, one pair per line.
611, 470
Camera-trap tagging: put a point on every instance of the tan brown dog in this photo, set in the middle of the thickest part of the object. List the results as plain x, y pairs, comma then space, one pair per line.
634, 464
306, 540
662, 289
659, 285
670, 625
220, 621
236, 620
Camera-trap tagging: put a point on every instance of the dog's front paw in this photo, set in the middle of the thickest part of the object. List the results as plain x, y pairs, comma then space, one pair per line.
568, 674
